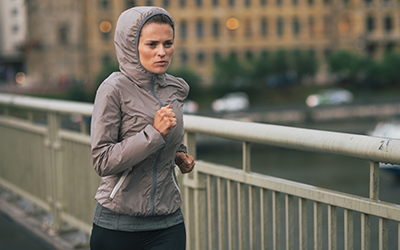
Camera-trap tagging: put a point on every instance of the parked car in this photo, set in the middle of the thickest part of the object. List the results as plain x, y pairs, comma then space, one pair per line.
190, 107
236, 101
334, 96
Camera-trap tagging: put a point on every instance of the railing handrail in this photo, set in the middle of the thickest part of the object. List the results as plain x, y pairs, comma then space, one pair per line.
370, 148
44, 104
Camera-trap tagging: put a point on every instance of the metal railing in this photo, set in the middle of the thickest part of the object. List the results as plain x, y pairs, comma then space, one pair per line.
42, 159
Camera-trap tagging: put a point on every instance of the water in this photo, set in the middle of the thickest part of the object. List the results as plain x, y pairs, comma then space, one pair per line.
339, 173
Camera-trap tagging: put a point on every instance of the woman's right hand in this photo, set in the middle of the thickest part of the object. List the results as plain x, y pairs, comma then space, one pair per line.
164, 120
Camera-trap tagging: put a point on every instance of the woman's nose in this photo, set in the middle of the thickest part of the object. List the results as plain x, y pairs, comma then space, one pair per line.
161, 51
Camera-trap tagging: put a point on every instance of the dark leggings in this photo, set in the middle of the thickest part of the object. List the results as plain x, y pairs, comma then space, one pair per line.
163, 239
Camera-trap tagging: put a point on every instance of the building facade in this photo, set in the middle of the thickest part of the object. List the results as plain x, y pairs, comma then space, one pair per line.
72, 39
12, 37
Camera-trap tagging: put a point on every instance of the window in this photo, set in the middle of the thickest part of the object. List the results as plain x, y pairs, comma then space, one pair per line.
183, 29
295, 2
199, 3
388, 24
311, 26
15, 29
231, 3
370, 24
247, 3
296, 26
14, 12
63, 34
199, 29
279, 26
166, 3
105, 4
182, 3
149, 2
216, 28
263, 2
130, 3
248, 30
184, 57
310, 2
200, 57
279, 2
327, 2
264, 27
368, 2
215, 3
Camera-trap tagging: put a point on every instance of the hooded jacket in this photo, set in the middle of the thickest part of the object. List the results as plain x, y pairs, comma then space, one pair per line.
135, 162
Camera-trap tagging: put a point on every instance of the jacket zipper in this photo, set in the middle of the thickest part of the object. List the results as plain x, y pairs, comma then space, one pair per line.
174, 179
119, 183
154, 184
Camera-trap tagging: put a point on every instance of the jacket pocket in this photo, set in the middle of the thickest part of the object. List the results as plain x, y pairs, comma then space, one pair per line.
119, 183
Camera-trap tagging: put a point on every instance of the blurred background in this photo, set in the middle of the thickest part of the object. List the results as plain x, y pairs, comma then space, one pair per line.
263, 52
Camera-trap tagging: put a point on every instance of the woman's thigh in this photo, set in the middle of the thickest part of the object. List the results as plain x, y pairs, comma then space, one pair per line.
163, 239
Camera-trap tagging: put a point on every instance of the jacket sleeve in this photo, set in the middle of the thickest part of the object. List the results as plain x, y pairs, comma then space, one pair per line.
111, 156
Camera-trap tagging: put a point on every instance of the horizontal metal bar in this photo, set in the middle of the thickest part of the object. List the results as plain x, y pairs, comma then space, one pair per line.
359, 146
43, 104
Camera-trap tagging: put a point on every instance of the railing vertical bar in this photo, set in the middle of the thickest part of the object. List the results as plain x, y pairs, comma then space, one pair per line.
303, 224
231, 218
199, 212
264, 219
289, 221
276, 220
221, 213
246, 157
317, 225
383, 234
241, 216
253, 214
398, 236
211, 213
365, 232
374, 181
348, 229
332, 228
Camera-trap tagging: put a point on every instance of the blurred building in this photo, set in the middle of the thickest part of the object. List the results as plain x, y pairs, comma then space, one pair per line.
72, 39
12, 37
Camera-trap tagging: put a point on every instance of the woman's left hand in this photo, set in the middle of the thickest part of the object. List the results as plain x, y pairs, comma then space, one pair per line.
185, 162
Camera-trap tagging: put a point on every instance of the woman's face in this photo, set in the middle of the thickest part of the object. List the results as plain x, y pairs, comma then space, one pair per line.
156, 46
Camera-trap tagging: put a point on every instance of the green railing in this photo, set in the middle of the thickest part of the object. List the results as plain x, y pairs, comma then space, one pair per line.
45, 157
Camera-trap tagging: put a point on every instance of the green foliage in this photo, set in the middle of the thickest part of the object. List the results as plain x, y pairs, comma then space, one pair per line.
346, 65
105, 71
390, 68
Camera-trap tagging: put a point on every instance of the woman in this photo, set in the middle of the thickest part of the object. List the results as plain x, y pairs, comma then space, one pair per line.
137, 134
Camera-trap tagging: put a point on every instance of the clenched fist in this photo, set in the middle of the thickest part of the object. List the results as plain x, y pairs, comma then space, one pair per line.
164, 120
185, 162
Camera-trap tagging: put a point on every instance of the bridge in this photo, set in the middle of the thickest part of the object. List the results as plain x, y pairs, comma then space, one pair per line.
45, 159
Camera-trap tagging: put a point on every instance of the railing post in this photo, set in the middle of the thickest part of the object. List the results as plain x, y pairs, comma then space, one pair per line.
374, 181
195, 212
54, 168
246, 157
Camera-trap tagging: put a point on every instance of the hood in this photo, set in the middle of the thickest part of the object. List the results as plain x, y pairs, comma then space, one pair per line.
126, 40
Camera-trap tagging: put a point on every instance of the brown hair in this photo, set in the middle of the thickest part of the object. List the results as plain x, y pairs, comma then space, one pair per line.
162, 19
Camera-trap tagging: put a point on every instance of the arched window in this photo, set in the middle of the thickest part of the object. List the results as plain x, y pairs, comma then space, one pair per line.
199, 29
183, 29
216, 28
264, 27
296, 26
279, 26
388, 24
370, 24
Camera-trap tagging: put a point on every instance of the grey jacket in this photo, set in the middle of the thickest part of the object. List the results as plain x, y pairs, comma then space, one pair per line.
135, 162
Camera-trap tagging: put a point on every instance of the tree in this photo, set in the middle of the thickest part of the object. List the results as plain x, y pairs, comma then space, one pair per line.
346, 65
